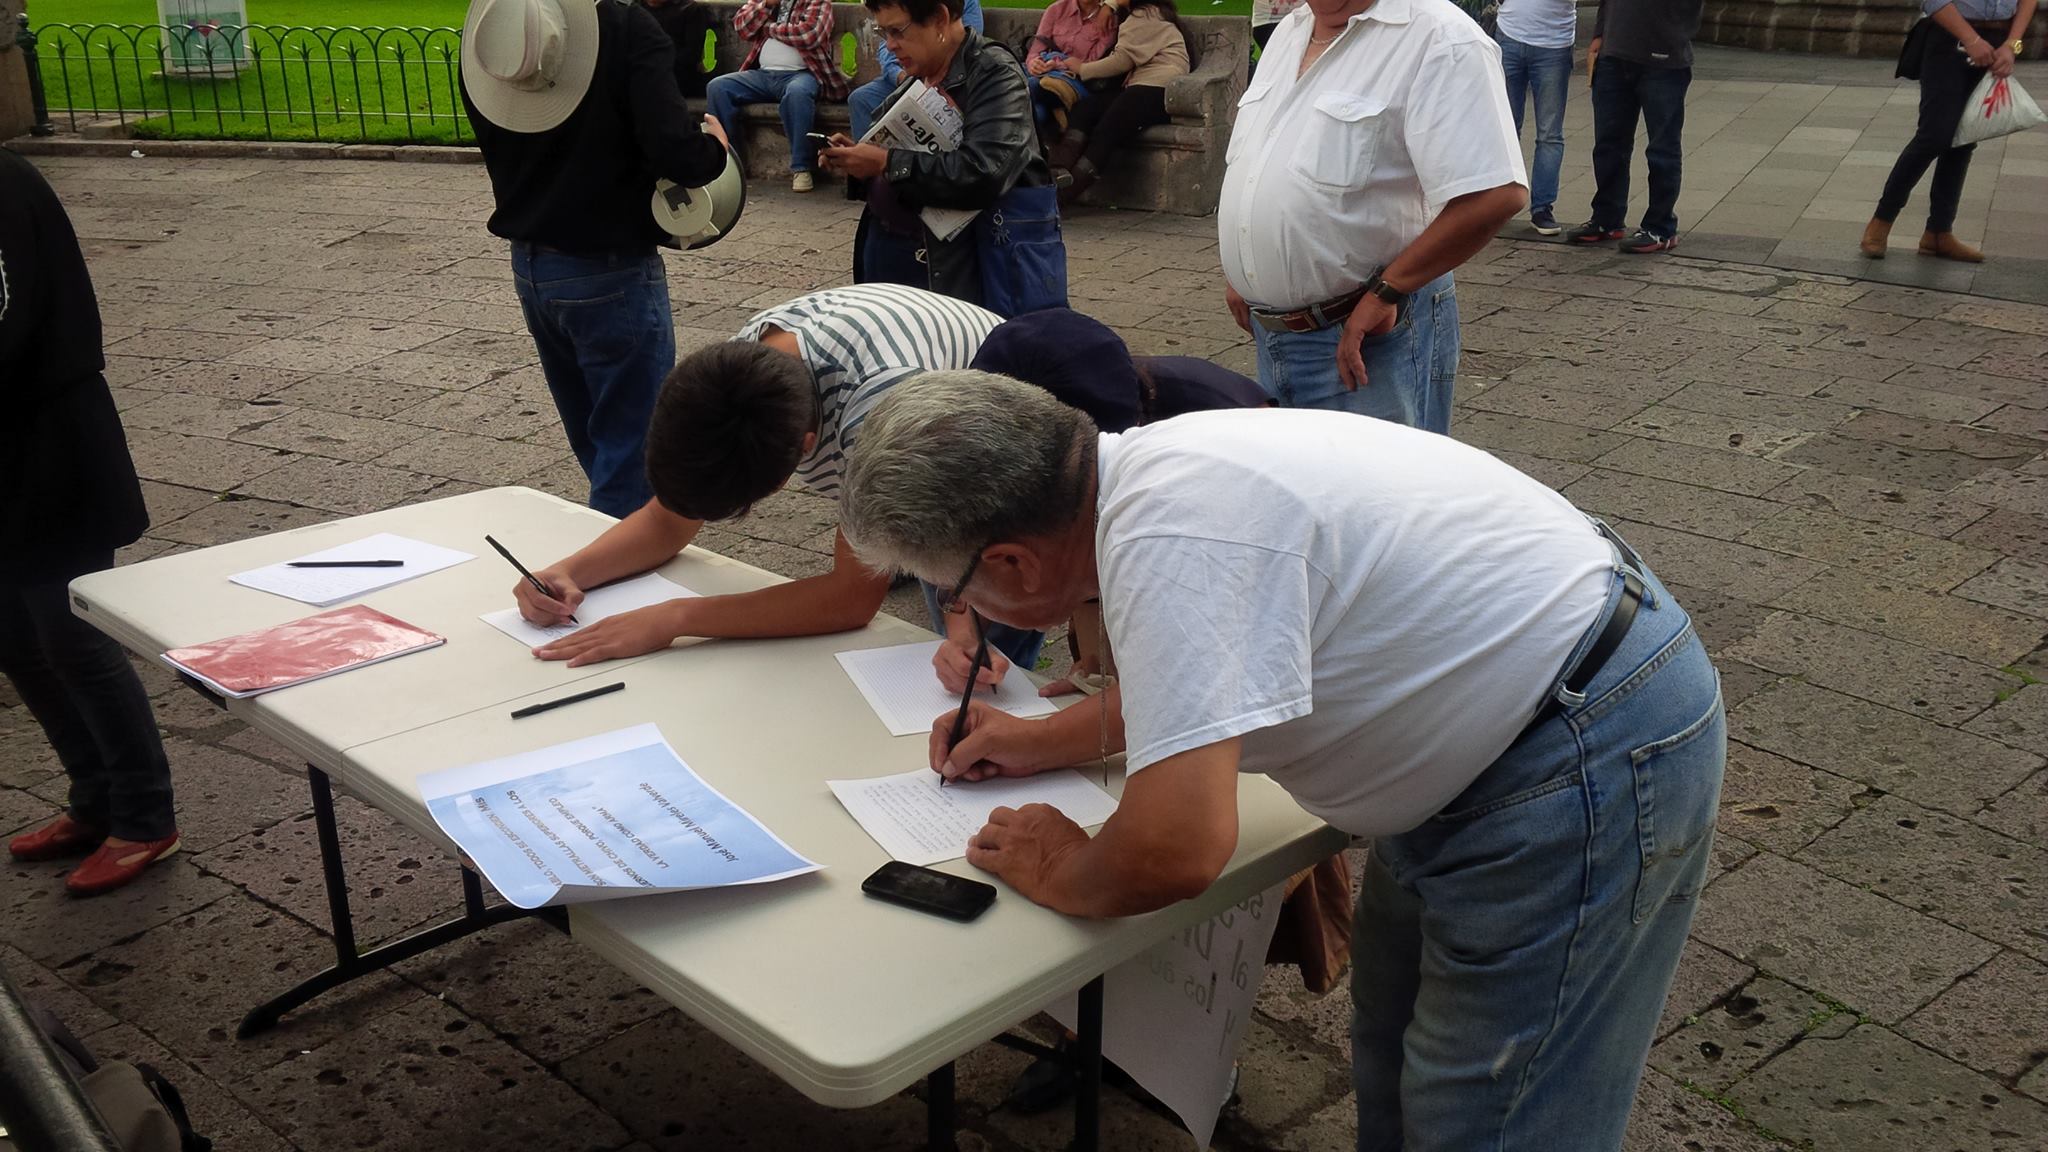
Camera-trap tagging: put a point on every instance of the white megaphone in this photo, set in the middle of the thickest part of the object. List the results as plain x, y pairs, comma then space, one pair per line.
699, 216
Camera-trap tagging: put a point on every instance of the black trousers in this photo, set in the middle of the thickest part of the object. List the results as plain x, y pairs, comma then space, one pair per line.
79, 686
1946, 80
1112, 120
1623, 91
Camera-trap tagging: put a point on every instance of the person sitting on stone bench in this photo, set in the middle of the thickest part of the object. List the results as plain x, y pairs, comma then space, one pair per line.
793, 63
1070, 34
1151, 49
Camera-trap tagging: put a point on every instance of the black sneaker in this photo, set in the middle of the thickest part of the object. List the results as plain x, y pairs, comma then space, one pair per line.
1543, 222
1645, 241
1595, 234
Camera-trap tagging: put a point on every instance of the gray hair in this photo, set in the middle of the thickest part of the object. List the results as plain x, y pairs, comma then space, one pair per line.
951, 462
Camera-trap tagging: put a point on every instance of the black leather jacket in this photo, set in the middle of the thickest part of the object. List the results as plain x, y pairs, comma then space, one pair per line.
998, 151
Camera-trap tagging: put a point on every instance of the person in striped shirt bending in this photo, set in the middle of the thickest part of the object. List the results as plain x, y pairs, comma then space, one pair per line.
736, 421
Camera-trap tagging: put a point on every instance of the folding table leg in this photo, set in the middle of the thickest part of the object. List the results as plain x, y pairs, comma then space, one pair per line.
348, 963
338, 915
938, 1111
1088, 1069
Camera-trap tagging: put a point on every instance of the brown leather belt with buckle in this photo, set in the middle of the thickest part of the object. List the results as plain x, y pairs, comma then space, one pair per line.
1313, 318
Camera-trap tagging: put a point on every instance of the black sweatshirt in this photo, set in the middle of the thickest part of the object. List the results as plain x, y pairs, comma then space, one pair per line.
1653, 33
68, 492
587, 185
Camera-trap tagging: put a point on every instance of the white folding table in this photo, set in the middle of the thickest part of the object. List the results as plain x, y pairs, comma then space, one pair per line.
848, 999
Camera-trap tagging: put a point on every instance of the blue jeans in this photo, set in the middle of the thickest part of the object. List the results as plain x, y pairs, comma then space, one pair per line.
604, 333
1623, 90
1544, 74
794, 91
1021, 646
1410, 368
863, 102
1511, 956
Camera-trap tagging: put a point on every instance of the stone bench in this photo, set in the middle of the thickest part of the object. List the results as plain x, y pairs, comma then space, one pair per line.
1174, 167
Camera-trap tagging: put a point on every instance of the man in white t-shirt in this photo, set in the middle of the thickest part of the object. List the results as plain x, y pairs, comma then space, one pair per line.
1372, 154
1418, 642
1535, 38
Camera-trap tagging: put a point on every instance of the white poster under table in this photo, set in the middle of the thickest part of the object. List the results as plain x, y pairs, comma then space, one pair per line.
1175, 1016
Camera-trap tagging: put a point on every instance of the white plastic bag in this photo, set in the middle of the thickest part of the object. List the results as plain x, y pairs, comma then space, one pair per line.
1997, 108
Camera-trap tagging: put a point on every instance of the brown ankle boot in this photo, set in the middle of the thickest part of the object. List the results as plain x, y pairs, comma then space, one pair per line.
1081, 178
1946, 246
1876, 234
1066, 151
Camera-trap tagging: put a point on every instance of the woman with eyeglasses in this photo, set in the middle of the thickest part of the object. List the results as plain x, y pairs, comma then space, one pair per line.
998, 151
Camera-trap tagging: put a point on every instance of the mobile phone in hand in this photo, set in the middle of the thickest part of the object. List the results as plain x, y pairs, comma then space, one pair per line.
929, 890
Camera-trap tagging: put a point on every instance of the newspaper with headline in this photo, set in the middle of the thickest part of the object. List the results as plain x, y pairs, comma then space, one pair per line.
923, 119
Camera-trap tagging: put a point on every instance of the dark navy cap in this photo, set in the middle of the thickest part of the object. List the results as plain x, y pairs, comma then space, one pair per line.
1074, 357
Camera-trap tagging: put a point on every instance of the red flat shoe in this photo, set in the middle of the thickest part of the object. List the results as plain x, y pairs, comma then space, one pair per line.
53, 841
111, 867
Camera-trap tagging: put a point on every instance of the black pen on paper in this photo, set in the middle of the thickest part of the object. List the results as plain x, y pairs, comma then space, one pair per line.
531, 578
967, 697
344, 563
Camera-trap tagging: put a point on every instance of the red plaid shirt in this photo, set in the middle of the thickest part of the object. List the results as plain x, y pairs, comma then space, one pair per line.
808, 30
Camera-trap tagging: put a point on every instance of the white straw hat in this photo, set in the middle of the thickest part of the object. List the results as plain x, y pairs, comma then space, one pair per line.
528, 63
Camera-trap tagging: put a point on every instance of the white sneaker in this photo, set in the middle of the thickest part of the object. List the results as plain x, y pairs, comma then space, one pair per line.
801, 182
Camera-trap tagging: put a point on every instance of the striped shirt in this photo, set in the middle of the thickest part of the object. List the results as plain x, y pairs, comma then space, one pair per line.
861, 341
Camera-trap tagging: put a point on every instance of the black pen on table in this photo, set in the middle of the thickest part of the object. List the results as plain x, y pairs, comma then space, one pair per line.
344, 563
967, 697
549, 705
530, 577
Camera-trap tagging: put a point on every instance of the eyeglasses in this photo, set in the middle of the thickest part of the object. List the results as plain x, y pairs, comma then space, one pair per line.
951, 601
893, 34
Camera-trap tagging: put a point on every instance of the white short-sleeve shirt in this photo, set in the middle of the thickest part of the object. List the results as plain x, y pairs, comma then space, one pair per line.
1332, 173
1377, 611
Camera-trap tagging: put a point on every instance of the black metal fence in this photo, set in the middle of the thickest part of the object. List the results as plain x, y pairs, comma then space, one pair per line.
262, 81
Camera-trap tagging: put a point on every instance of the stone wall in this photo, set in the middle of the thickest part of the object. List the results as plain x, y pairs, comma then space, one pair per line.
1837, 28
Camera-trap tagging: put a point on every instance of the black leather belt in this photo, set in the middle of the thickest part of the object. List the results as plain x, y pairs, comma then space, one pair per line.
1604, 645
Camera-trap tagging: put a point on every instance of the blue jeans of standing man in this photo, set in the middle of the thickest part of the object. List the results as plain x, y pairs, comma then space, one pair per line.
1410, 368
1543, 74
1623, 90
602, 325
1511, 956
794, 91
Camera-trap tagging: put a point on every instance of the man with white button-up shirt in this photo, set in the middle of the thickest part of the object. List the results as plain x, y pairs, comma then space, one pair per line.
1372, 154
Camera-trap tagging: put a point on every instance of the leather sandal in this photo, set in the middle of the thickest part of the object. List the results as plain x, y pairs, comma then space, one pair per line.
112, 866
53, 841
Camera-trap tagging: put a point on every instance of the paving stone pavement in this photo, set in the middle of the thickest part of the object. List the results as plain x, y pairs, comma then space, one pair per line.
1845, 481
1785, 155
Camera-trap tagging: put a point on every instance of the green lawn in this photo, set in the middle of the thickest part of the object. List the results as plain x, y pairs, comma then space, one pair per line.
324, 79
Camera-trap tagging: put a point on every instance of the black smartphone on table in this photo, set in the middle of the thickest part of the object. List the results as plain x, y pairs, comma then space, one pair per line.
928, 890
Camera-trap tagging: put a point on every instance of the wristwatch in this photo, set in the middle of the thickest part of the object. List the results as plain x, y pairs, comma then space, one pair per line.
1376, 285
